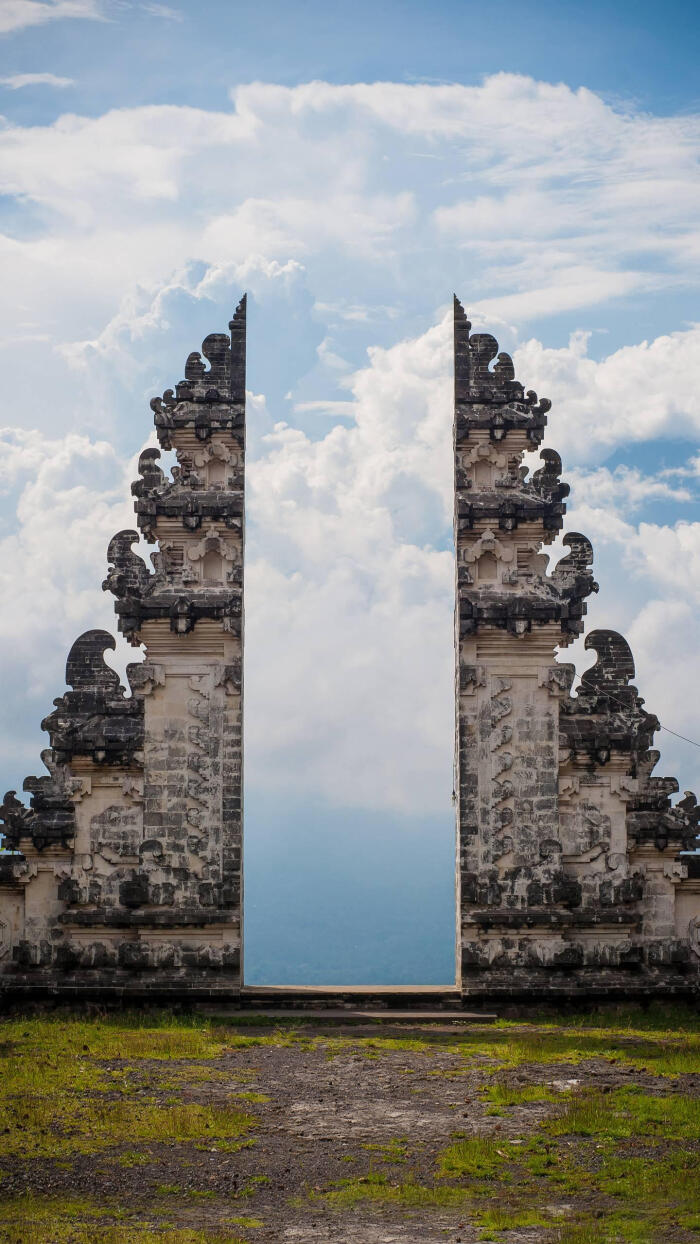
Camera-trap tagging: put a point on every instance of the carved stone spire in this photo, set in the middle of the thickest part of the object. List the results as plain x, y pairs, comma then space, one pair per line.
502, 580
191, 514
555, 801
142, 810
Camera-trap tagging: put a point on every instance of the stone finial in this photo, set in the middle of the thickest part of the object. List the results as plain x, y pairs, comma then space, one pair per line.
613, 670
127, 573
15, 818
223, 382
237, 327
476, 380
152, 478
86, 668
95, 718
547, 480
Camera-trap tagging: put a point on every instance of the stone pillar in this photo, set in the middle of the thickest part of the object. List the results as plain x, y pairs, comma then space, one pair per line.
129, 879
189, 615
558, 892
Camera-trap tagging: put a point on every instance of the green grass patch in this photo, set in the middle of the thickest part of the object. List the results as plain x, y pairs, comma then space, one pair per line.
391, 1151
59, 1095
72, 1221
628, 1112
493, 1221
377, 1188
251, 1186
477, 1157
619, 1017
179, 1191
662, 1185
608, 1229
504, 1094
52, 1126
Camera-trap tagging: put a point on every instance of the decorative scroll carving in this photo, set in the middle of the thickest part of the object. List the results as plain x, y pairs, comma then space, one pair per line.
547, 480
95, 718
152, 477
50, 818
127, 576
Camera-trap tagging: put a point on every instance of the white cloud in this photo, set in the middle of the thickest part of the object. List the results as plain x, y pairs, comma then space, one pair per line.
349, 601
18, 14
625, 488
17, 80
164, 11
637, 393
344, 409
562, 192
72, 495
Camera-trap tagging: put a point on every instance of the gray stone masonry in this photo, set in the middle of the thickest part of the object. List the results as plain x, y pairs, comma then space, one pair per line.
570, 875
127, 877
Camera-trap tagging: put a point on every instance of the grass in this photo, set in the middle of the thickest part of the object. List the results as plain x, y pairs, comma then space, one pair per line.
51, 1126
640, 1041
653, 1178
134, 1159
375, 1187
504, 1094
391, 1151
618, 1017
70, 1085
73, 1221
662, 1056
628, 1112
609, 1229
497, 1220
475, 1157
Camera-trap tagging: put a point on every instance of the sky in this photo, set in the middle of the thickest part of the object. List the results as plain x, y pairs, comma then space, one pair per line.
350, 167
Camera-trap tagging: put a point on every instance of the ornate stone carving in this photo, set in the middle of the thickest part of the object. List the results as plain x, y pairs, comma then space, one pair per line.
141, 809
555, 793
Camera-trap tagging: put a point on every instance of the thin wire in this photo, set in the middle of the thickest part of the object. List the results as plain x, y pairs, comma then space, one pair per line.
668, 729
679, 736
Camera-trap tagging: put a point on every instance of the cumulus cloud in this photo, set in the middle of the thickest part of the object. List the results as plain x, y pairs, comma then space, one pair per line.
68, 497
625, 488
637, 393
543, 201
163, 10
349, 596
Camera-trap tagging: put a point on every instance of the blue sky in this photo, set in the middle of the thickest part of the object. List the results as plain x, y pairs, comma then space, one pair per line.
350, 167
150, 53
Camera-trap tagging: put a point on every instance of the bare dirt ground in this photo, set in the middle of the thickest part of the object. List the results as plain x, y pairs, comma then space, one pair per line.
352, 1135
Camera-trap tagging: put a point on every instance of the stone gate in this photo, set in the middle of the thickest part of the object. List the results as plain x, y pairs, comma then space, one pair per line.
123, 875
